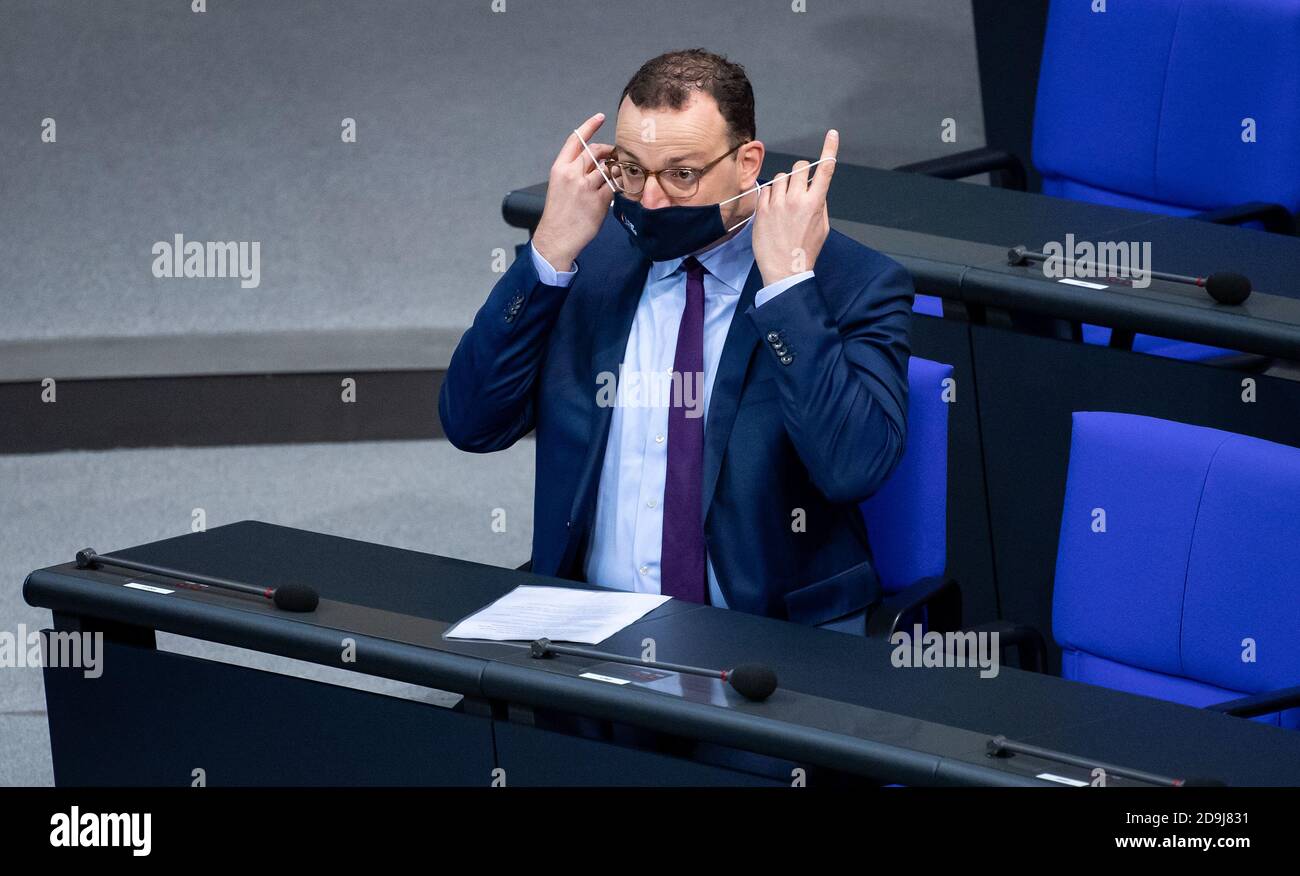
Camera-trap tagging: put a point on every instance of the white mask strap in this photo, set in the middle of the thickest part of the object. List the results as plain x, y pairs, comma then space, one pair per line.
747, 218
755, 190
595, 162
770, 181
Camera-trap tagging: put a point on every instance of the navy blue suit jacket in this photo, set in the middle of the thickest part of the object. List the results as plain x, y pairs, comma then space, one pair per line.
811, 431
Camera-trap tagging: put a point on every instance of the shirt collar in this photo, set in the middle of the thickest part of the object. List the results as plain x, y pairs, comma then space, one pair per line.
729, 261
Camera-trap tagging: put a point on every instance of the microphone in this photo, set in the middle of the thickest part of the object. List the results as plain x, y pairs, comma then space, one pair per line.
753, 681
289, 597
1225, 287
1001, 747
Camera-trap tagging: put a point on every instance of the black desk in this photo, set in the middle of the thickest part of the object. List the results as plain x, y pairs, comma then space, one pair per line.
156, 717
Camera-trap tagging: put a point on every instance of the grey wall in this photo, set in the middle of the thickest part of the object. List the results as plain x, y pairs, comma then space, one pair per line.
225, 126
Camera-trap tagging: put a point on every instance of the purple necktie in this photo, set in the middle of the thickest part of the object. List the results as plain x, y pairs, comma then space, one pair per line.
681, 562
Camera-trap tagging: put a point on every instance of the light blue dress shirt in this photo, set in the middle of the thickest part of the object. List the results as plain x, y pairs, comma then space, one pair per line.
626, 538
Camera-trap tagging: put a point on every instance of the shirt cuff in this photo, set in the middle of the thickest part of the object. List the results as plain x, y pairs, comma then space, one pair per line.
767, 293
547, 274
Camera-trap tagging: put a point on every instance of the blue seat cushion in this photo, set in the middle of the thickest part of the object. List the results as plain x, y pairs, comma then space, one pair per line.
1194, 577
1147, 101
1243, 571
907, 517
1091, 669
927, 305
1156, 346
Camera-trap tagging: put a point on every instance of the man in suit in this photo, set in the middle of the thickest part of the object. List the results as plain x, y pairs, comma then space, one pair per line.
716, 378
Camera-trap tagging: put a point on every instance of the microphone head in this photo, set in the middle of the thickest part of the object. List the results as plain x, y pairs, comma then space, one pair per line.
1227, 287
1016, 255
86, 558
753, 681
296, 597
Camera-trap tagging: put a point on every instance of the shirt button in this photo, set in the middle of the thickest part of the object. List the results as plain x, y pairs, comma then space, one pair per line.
644, 570
659, 439
651, 503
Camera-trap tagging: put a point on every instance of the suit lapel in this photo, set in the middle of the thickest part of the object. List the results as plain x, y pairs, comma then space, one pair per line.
737, 351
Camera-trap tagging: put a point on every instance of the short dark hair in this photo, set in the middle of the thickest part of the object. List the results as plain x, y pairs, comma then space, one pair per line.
668, 80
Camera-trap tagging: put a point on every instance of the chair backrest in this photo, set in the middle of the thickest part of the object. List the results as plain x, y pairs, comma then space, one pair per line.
907, 518
1178, 565
1145, 105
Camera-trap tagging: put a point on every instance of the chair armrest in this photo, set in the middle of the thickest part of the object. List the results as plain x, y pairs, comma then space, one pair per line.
1008, 171
1276, 218
1030, 647
940, 596
522, 208
1260, 704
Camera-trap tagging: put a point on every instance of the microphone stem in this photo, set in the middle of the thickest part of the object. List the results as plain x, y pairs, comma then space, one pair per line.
165, 572
1159, 275
574, 651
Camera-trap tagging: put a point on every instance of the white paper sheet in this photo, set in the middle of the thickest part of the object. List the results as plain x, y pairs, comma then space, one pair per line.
561, 614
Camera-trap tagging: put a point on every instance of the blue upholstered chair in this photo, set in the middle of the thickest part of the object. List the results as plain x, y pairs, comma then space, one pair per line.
1178, 566
907, 518
1144, 107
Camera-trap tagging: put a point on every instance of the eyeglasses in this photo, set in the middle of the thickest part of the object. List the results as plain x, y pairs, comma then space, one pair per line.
677, 182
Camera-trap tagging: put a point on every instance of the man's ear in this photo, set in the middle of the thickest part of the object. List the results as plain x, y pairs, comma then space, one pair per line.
750, 157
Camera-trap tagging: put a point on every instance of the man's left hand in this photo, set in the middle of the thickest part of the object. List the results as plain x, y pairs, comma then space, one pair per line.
791, 221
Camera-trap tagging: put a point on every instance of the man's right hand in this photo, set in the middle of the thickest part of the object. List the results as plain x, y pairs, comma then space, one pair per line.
577, 199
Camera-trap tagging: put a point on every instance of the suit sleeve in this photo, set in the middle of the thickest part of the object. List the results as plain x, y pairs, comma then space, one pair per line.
486, 401
843, 378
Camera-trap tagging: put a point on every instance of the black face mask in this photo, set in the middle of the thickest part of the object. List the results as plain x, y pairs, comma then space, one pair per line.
667, 233
670, 233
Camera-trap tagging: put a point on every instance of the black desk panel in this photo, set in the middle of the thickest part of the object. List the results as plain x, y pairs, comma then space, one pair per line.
970, 555
158, 719
960, 210
841, 705
530, 757
1039, 709
1002, 218
977, 277
1271, 261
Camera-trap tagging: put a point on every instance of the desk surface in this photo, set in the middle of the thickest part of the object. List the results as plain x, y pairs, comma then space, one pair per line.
841, 700
1004, 218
